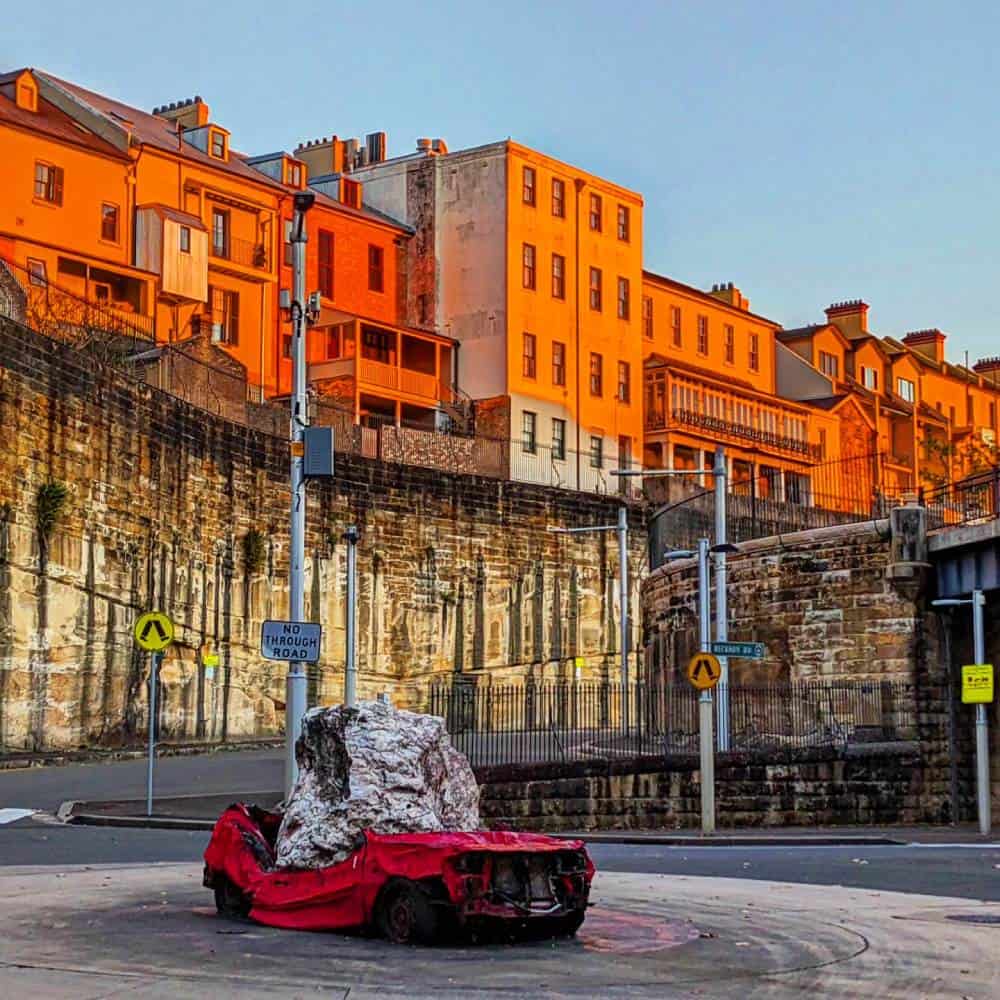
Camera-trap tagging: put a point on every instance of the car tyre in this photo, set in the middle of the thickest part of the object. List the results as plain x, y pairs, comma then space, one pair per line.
230, 900
407, 916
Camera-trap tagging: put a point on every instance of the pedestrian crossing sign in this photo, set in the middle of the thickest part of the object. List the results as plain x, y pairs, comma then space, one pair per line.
704, 671
153, 631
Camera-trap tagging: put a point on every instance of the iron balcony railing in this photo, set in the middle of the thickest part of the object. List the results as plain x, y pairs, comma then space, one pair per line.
513, 723
247, 253
755, 435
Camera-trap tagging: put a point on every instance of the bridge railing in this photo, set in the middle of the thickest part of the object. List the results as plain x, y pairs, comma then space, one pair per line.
973, 500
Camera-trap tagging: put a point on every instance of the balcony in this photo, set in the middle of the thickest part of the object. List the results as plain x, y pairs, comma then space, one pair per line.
246, 253
381, 377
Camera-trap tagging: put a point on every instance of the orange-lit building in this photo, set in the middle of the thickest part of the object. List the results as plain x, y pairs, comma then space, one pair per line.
534, 267
712, 373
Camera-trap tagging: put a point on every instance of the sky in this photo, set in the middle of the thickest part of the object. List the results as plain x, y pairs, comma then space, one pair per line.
807, 151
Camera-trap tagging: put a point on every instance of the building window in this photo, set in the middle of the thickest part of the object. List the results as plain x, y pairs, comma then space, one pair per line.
675, 325
624, 382
623, 223
558, 198
558, 276
596, 211
324, 272
225, 315
528, 356
829, 364
528, 186
376, 268
906, 389
529, 440
36, 272
822, 442
951, 415
558, 363
220, 232
647, 317
869, 377
595, 288
596, 374
289, 246
624, 458
350, 193
558, 439
286, 345
623, 299
703, 335
49, 183
184, 239
753, 353
217, 144
295, 174
528, 266
596, 452
109, 222
730, 342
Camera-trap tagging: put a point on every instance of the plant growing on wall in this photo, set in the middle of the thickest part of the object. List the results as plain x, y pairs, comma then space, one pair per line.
50, 502
254, 551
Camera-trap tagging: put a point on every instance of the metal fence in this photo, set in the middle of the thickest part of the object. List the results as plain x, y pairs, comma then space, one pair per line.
971, 500
580, 721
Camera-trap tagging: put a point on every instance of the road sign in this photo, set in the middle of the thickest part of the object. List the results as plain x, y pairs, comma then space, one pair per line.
153, 631
704, 671
297, 642
977, 684
739, 650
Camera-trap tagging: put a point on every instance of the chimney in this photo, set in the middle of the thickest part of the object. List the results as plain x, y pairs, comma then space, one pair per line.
929, 343
192, 113
375, 144
423, 146
727, 292
850, 317
321, 156
989, 369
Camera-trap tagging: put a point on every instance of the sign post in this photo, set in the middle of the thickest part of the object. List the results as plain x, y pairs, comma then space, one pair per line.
708, 671
153, 632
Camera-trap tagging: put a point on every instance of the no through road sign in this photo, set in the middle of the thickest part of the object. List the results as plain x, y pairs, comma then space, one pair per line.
291, 641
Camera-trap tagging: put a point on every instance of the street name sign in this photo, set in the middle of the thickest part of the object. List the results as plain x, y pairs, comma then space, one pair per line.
153, 632
739, 650
977, 684
297, 642
704, 671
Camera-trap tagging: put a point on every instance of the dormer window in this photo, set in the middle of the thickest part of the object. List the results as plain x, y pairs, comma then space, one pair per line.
217, 144
294, 173
351, 193
26, 92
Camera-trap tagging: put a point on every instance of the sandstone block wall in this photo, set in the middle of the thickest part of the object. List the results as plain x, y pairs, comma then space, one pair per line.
171, 507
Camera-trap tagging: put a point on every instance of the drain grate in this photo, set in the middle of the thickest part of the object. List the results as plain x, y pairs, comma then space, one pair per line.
975, 918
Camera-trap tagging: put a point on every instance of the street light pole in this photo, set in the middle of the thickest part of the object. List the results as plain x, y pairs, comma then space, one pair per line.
350, 659
296, 683
721, 592
705, 727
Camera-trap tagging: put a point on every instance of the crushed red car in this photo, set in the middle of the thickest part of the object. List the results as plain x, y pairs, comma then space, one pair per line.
410, 887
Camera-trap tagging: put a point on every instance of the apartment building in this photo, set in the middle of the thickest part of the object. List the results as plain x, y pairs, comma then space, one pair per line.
711, 374
929, 420
534, 268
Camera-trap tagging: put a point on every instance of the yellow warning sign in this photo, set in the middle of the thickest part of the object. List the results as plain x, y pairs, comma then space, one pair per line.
977, 684
153, 631
704, 671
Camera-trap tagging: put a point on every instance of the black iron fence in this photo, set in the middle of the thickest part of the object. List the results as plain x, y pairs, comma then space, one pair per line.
574, 721
967, 501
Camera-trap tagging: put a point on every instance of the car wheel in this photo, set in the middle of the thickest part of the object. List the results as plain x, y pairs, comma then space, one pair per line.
230, 901
406, 915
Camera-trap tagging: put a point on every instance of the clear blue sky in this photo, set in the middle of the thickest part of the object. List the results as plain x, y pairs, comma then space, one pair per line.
806, 151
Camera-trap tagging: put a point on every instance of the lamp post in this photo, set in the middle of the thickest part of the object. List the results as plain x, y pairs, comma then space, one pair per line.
978, 602
621, 528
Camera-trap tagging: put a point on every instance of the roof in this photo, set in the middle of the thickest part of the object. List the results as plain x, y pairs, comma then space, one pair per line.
827, 402
184, 218
50, 121
706, 296
800, 332
161, 133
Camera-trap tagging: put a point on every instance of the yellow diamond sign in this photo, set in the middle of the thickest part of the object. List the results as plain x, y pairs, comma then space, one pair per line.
153, 631
977, 684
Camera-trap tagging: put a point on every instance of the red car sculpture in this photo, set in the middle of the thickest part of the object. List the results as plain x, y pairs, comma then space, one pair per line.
410, 887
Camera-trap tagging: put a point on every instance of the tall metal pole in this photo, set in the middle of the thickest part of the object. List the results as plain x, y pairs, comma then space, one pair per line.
706, 740
296, 687
623, 607
982, 731
154, 670
721, 594
350, 659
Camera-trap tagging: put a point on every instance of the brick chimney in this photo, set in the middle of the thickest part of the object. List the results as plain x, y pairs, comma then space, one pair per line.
929, 343
850, 317
192, 113
989, 369
727, 292
321, 156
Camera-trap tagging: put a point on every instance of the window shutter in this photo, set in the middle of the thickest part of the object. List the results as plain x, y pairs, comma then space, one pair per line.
57, 185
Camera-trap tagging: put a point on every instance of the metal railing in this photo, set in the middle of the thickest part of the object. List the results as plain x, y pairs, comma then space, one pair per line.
580, 721
972, 500
246, 253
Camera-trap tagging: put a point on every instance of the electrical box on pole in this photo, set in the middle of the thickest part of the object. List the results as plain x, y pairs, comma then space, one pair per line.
318, 461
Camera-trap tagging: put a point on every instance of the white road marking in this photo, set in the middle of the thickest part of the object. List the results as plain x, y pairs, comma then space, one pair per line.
13, 815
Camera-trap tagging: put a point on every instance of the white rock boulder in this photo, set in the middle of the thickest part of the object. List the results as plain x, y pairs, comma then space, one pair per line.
372, 767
